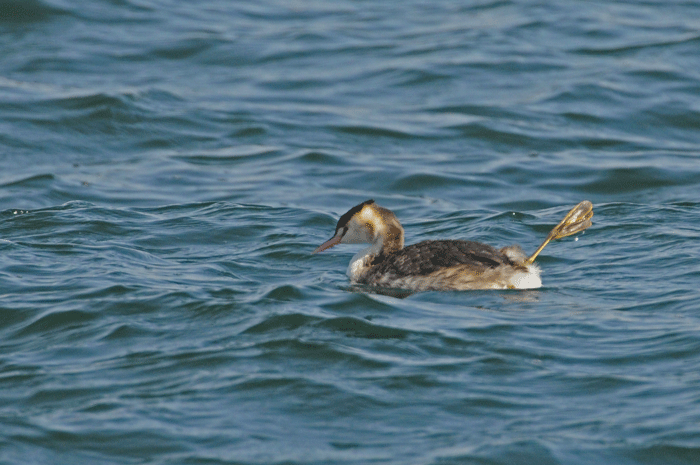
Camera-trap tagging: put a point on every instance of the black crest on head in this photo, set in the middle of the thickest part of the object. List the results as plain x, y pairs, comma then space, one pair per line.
343, 221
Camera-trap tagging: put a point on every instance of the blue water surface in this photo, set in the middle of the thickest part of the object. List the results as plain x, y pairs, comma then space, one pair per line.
168, 167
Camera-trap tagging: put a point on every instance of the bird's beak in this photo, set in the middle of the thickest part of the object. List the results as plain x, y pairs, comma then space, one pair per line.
335, 240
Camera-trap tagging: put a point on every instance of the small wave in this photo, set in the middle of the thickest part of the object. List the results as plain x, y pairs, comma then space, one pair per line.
362, 328
27, 11
281, 322
182, 49
634, 48
627, 180
373, 131
33, 181
62, 320
664, 453
232, 155
424, 181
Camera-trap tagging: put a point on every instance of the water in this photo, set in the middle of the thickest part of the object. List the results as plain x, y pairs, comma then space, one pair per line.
168, 167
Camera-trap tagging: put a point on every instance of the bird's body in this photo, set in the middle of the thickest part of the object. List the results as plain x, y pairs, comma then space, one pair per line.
446, 265
442, 264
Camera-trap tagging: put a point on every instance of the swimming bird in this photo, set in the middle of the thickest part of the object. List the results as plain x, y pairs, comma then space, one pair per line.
440, 265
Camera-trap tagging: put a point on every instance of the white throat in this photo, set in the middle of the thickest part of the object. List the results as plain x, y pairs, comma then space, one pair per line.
360, 261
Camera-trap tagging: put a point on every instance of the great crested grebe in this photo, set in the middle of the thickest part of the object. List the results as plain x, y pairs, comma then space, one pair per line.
441, 265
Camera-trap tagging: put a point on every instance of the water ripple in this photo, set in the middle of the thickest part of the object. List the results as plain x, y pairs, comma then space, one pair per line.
168, 171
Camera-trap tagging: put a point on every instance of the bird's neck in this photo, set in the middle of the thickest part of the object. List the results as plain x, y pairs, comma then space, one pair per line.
389, 239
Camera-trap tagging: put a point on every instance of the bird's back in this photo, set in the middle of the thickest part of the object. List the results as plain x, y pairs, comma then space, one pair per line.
443, 264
